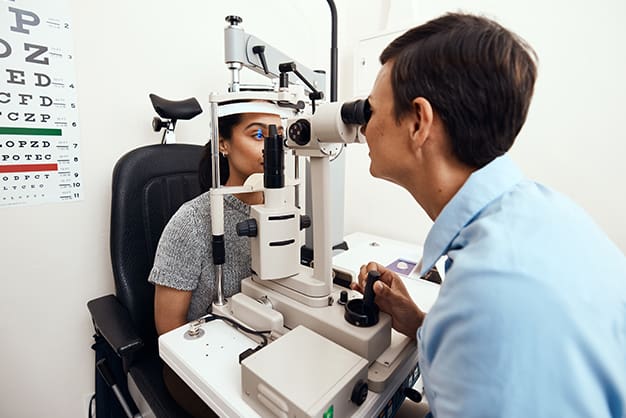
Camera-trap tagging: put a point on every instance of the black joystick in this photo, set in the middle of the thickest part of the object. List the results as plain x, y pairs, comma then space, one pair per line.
364, 312
368, 294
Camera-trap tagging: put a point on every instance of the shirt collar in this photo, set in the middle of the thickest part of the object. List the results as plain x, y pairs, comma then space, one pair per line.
234, 203
481, 188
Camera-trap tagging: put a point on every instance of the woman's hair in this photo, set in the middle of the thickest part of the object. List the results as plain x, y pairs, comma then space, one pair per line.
205, 168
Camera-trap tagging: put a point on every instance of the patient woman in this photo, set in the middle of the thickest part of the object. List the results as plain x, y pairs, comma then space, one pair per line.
183, 271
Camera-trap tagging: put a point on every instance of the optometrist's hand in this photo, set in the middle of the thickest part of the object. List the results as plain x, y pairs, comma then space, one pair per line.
392, 297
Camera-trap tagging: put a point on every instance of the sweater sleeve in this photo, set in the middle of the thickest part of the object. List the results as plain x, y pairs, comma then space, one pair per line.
179, 255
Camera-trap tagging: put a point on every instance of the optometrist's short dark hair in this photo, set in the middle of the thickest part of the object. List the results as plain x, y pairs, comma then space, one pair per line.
478, 77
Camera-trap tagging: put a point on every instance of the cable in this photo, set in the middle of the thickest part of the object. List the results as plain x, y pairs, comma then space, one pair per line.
413, 395
212, 317
333, 50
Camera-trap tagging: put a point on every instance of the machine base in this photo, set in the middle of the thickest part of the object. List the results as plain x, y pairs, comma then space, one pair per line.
303, 374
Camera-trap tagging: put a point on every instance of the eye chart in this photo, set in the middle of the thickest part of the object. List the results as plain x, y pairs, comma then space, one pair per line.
39, 130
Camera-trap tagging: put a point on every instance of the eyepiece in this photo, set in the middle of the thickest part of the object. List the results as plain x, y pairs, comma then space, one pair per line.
273, 160
357, 112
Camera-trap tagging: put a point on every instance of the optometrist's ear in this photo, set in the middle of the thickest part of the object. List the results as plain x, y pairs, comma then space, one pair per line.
420, 121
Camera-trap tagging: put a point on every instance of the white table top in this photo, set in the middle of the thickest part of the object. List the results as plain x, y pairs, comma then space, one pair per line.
364, 248
209, 364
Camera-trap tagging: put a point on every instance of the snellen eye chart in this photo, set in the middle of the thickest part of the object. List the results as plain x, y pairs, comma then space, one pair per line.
39, 127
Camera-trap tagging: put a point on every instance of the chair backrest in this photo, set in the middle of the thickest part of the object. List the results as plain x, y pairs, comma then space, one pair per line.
149, 184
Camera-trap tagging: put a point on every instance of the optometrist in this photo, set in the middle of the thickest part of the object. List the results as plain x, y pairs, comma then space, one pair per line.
531, 317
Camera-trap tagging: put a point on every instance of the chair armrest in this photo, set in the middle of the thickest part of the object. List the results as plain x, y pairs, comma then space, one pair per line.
112, 320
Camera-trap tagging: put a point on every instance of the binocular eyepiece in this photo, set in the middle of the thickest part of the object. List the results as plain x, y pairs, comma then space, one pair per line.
357, 112
332, 123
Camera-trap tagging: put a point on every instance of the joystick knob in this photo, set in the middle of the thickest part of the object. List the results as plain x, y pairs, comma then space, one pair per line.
359, 392
247, 228
364, 312
368, 294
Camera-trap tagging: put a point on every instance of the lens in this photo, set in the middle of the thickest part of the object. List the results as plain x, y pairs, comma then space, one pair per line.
300, 132
357, 112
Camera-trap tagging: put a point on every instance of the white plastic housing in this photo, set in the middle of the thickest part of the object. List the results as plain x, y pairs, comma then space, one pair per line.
327, 126
276, 243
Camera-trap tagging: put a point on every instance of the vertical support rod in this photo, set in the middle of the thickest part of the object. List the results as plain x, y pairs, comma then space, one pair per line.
215, 147
235, 68
322, 241
296, 174
217, 209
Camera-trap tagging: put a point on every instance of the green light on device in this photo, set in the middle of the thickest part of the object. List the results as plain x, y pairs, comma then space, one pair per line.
329, 412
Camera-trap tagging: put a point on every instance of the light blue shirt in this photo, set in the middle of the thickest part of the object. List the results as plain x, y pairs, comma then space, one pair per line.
531, 318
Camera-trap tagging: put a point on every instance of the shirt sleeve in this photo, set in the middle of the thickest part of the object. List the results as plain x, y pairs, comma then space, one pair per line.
483, 351
179, 256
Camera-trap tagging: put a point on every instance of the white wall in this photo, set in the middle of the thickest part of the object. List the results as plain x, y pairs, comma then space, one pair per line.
55, 257
574, 140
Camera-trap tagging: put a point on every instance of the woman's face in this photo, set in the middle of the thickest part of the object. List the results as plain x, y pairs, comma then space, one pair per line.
244, 150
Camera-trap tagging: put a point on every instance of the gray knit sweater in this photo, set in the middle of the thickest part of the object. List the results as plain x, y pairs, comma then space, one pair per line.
183, 258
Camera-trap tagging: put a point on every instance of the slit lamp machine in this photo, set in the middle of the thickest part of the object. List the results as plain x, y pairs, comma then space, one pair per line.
321, 347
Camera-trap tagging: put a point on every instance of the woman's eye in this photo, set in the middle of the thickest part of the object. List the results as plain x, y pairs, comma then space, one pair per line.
258, 135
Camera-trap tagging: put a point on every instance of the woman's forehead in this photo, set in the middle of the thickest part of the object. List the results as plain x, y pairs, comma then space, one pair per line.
260, 119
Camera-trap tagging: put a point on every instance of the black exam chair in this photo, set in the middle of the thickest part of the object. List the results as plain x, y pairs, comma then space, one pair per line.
149, 185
